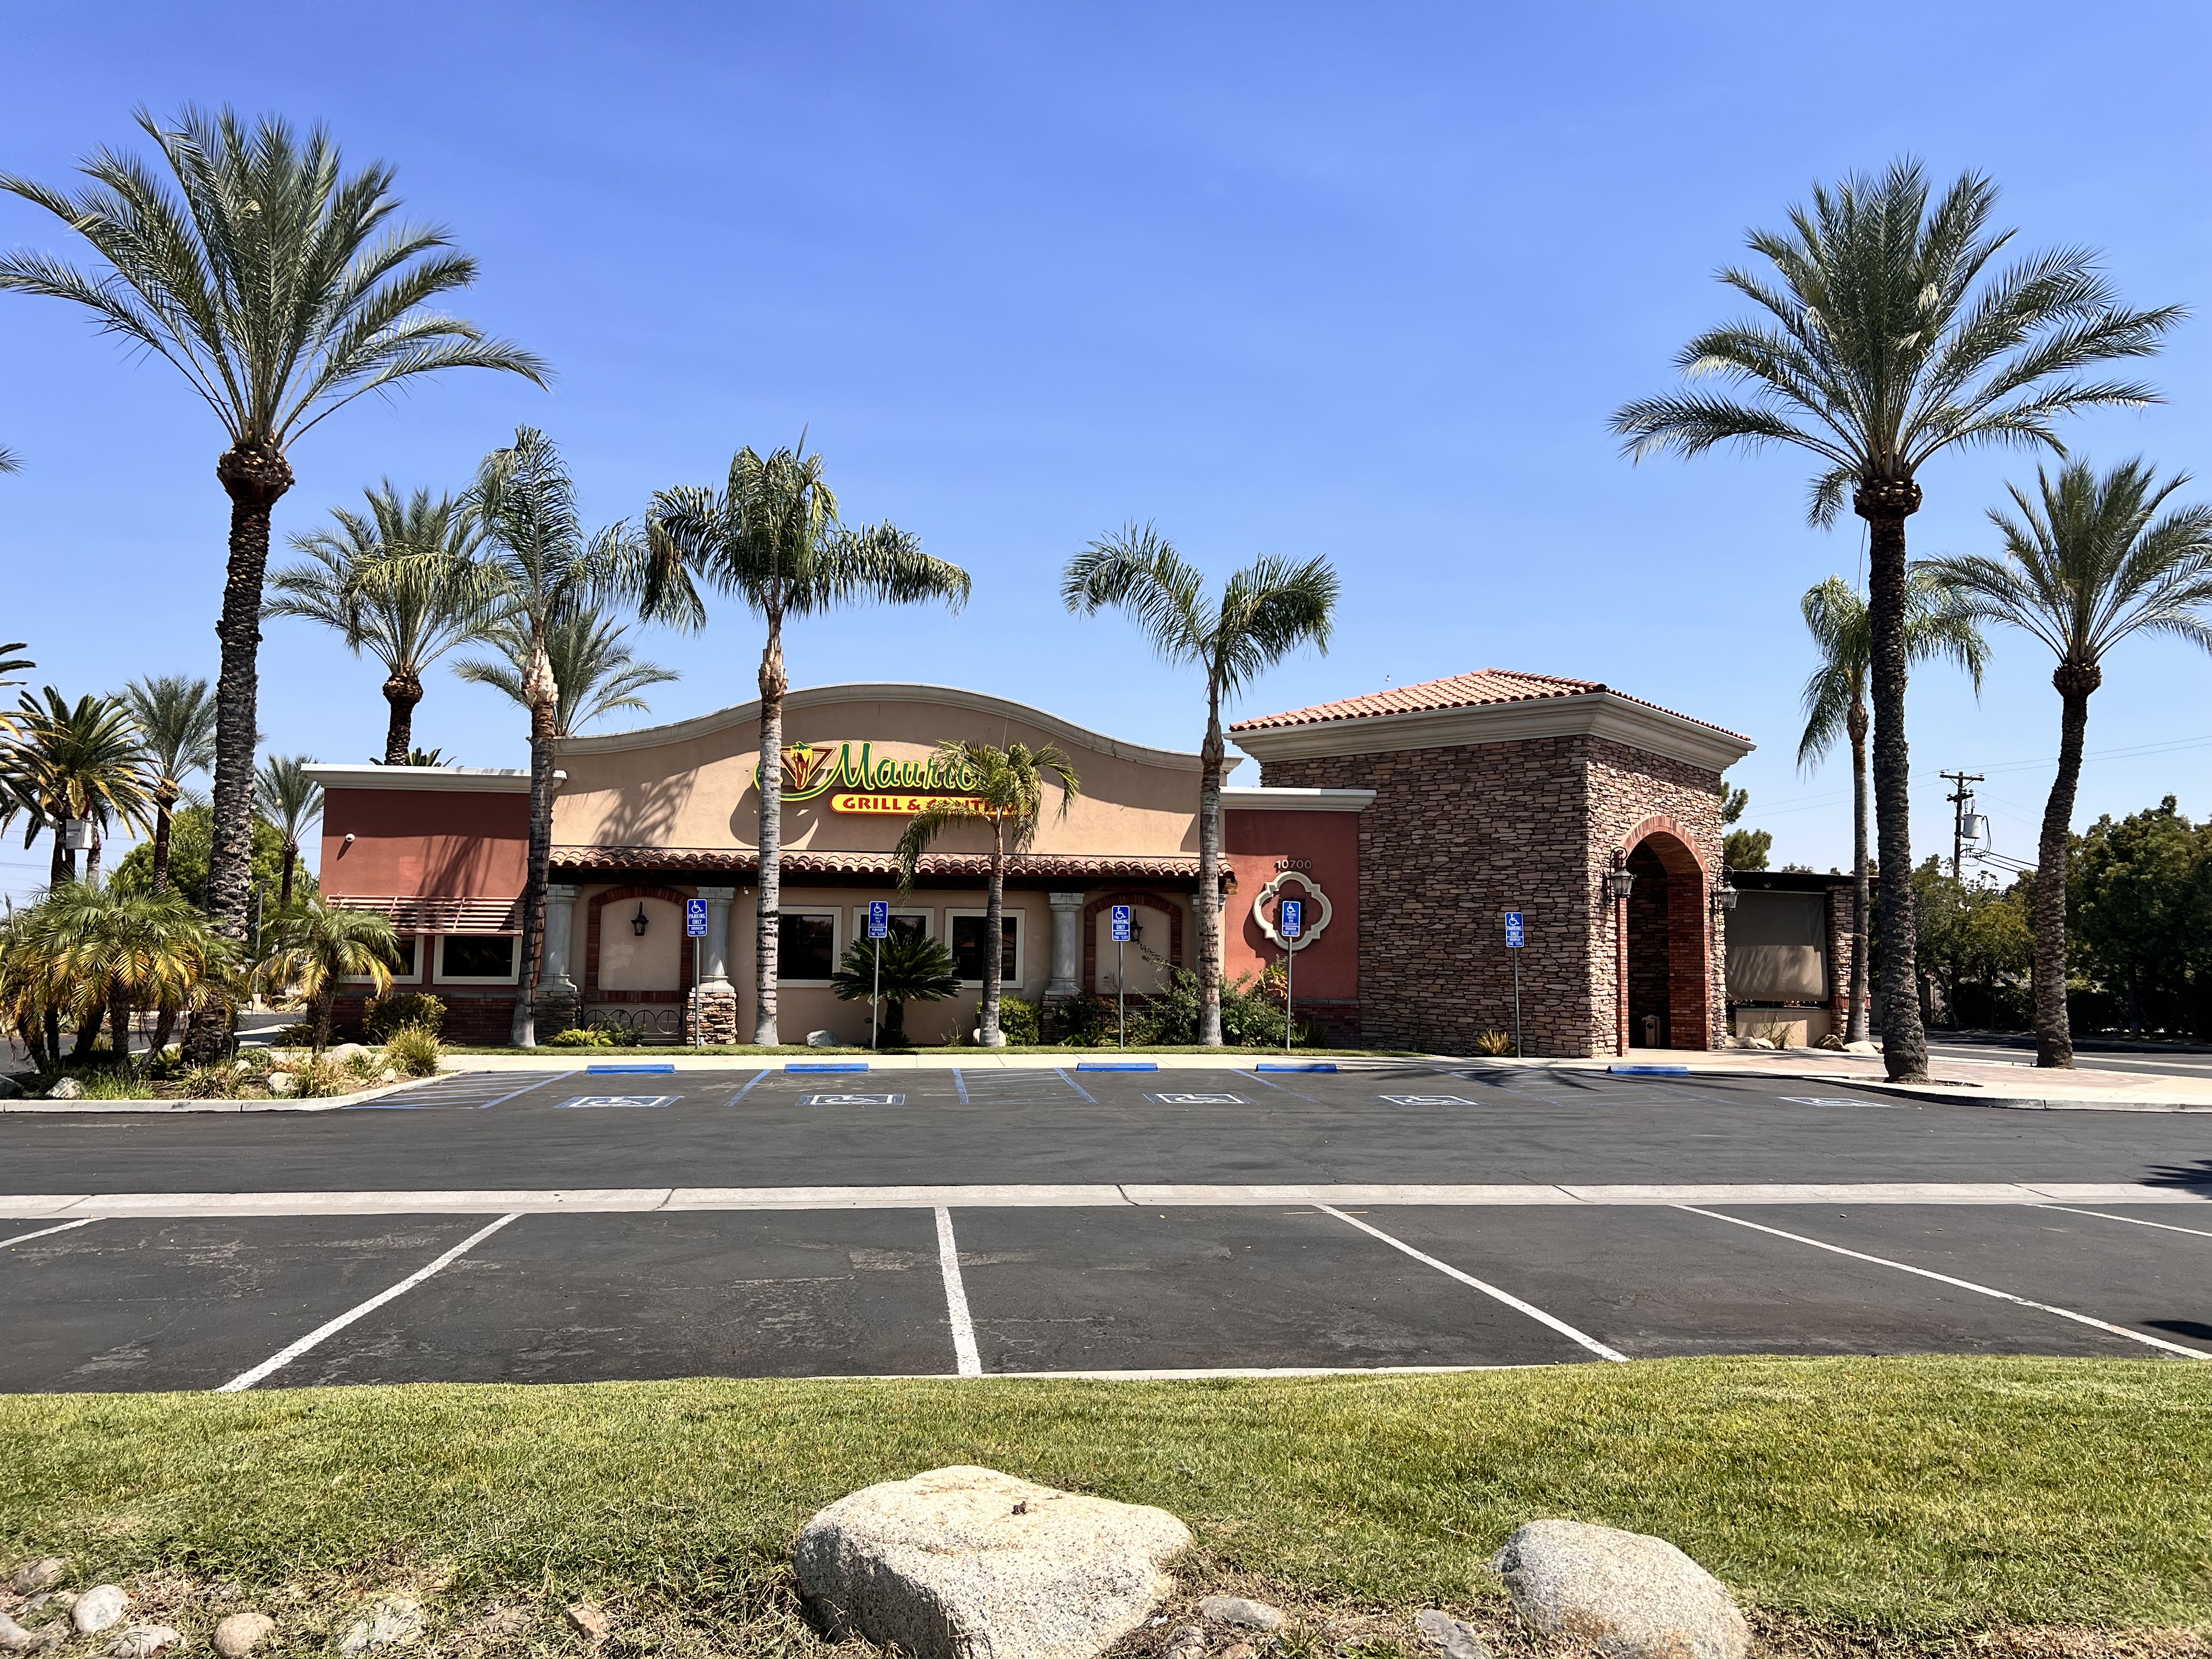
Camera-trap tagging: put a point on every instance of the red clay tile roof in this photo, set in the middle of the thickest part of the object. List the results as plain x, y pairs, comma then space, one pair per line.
736, 861
1485, 685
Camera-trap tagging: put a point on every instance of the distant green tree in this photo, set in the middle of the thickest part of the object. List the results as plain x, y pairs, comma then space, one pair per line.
2138, 904
176, 732
285, 796
191, 835
1741, 849
1971, 932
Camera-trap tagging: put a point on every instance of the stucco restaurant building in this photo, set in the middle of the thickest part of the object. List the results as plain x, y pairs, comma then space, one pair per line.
1408, 820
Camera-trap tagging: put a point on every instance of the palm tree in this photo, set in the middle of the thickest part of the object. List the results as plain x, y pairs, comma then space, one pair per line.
1005, 788
1936, 625
287, 800
430, 606
905, 966
317, 948
176, 731
595, 673
2086, 565
772, 539
80, 760
112, 954
9, 463
1267, 610
1888, 340
9, 664
282, 290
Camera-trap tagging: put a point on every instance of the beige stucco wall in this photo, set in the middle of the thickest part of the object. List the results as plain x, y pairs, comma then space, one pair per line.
690, 784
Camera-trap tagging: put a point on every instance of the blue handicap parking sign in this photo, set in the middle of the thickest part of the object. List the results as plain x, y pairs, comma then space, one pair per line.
1513, 931
695, 918
1291, 920
1122, 924
879, 918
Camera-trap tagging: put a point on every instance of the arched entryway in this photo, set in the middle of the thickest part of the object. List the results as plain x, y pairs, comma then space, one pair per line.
1663, 998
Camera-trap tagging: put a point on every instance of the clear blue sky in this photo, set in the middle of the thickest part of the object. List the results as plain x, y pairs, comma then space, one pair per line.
1363, 282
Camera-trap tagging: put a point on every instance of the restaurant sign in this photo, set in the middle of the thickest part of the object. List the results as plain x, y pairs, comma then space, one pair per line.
863, 783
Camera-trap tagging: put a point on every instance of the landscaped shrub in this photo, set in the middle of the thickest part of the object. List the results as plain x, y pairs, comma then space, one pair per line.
323, 1077
413, 1050
1249, 1016
220, 1081
1494, 1043
388, 1014
582, 1037
1017, 1020
1085, 1021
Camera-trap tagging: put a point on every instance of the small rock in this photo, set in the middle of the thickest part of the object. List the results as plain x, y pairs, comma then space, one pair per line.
101, 1605
591, 1622
10, 1089
1452, 1637
67, 1089
1633, 1596
345, 1052
1187, 1643
1236, 1610
387, 1075
142, 1642
242, 1065
820, 1039
35, 1576
396, 1620
1861, 1046
282, 1085
945, 1566
13, 1638
240, 1633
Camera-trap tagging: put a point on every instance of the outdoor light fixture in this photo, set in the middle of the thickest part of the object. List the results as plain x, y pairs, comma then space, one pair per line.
1724, 894
638, 923
1617, 882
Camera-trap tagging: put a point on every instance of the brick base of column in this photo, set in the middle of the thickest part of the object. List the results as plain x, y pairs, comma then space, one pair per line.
557, 1010
711, 1016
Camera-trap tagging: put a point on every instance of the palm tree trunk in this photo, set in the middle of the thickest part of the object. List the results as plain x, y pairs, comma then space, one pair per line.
118, 1024
284, 886
1856, 1022
165, 1026
92, 859
541, 860
995, 912
254, 478
767, 920
62, 865
1885, 504
2054, 1039
326, 1006
402, 691
1209, 871
162, 802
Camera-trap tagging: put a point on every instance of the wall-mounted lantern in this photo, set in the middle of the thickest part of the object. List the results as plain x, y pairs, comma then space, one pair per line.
1724, 894
638, 922
1618, 883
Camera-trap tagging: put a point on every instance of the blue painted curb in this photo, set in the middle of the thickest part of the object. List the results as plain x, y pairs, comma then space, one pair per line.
1117, 1066
1316, 1065
610, 1071
1649, 1070
828, 1065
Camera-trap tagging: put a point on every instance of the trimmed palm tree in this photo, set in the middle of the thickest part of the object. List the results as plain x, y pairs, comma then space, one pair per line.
176, 731
2088, 561
1004, 788
905, 966
282, 288
771, 538
1267, 610
317, 948
427, 606
111, 954
76, 760
287, 800
1888, 337
595, 672
1835, 612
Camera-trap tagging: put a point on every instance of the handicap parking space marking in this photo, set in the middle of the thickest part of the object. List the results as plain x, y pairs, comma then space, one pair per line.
585, 1103
25, 1238
1823, 1100
748, 1089
1426, 1100
1196, 1099
851, 1100
1040, 1086
462, 1091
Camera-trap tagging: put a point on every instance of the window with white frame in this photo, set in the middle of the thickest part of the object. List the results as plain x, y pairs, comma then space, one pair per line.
965, 929
806, 947
903, 921
407, 969
477, 958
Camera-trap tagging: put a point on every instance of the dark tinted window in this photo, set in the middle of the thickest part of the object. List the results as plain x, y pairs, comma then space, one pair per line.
479, 955
968, 946
406, 955
806, 947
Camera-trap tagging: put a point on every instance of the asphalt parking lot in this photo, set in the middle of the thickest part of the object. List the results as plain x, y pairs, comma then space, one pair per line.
562, 1227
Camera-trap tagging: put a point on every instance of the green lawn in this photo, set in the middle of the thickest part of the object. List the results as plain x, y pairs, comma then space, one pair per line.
1911, 1495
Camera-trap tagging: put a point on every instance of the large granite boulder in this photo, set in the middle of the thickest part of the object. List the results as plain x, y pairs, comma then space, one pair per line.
966, 1562
1632, 1596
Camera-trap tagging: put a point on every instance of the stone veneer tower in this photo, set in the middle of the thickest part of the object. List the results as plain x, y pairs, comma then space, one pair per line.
1498, 791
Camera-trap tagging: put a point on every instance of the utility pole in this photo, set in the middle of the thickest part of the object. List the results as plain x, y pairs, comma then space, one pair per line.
1960, 800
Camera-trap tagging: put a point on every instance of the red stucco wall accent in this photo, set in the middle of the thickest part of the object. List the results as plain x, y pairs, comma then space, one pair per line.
1253, 843
415, 844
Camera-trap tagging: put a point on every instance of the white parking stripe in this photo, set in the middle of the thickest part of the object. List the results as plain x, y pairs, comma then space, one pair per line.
2132, 1220
526, 1088
25, 1238
285, 1356
1492, 1291
1957, 1284
965, 1359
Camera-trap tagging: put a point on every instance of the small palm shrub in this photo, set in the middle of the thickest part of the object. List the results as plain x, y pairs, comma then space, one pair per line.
1494, 1043
582, 1037
913, 968
414, 1050
401, 1009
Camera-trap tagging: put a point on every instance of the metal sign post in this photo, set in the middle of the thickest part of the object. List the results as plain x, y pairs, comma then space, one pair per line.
1122, 969
1514, 935
1289, 922
695, 926
880, 928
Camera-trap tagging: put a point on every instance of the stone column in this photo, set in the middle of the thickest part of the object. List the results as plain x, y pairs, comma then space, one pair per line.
560, 1003
714, 999
1066, 944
